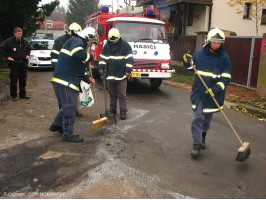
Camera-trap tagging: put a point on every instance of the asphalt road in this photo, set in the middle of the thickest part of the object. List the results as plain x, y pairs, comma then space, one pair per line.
145, 156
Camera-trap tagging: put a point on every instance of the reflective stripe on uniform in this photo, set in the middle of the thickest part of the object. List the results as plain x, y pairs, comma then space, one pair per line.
211, 110
194, 106
102, 62
54, 60
129, 65
62, 82
75, 50
88, 57
115, 78
202, 73
54, 51
65, 52
129, 55
116, 57
221, 84
226, 75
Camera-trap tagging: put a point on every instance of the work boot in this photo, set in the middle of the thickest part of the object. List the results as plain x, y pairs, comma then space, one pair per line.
112, 113
195, 151
24, 97
78, 114
203, 143
54, 128
73, 139
123, 115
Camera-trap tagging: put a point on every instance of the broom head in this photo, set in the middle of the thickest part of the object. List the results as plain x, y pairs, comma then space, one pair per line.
99, 123
243, 152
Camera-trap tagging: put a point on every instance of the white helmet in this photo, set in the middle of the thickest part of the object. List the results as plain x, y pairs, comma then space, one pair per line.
89, 34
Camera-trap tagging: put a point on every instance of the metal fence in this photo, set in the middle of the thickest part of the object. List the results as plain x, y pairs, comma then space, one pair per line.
244, 53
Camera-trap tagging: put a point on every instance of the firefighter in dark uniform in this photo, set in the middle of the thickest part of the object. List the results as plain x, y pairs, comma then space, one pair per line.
117, 59
58, 44
214, 66
17, 51
69, 71
60, 41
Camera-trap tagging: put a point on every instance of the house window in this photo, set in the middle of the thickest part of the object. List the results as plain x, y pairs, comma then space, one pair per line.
263, 17
190, 15
49, 24
247, 8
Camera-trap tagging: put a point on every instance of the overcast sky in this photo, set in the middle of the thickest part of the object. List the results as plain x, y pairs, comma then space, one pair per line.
104, 2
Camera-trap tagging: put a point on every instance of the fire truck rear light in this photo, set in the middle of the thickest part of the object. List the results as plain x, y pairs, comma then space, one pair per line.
135, 52
105, 9
164, 65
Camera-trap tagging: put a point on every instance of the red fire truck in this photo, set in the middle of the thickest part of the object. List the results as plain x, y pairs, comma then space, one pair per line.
147, 37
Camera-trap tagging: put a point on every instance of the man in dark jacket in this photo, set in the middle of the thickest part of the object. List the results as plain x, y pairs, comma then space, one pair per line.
17, 51
69, 71
58, 44
117, 58
214, 66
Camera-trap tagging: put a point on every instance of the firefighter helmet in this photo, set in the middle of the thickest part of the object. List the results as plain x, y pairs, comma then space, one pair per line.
73, 28
216, 35
89, 34
113, 34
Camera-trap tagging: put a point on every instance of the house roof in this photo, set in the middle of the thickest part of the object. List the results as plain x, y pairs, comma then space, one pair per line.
57, 19
165, 3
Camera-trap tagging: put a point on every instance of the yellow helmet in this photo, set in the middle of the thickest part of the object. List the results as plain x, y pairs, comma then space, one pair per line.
114, 34
216, 35
73, 28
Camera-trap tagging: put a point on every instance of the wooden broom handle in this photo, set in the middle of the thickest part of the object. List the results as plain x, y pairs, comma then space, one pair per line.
218, 105
94, 94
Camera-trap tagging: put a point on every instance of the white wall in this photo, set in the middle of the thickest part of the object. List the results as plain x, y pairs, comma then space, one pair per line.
200, 24
225, 17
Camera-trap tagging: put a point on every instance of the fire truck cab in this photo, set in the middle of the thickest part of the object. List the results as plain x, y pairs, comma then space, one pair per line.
147, 37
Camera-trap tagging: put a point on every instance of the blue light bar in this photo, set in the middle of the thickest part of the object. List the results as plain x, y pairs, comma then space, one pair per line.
135, 52
149, 12
105, 9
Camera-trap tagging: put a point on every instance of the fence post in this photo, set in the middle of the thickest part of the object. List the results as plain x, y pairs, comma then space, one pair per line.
261, 84
201, 39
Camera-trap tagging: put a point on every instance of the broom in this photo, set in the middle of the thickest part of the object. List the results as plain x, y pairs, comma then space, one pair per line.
101, 121
244, 150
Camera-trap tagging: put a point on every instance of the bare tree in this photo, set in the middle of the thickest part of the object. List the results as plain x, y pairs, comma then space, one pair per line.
252, 9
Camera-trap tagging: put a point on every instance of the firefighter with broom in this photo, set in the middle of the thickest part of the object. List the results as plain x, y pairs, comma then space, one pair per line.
214, 66
69, 71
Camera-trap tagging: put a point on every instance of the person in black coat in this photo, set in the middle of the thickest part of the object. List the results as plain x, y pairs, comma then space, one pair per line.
17, 51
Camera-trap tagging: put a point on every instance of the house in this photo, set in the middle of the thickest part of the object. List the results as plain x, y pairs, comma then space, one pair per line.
187, 17
54, 24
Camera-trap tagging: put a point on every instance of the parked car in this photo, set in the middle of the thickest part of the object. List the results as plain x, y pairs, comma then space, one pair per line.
40, 53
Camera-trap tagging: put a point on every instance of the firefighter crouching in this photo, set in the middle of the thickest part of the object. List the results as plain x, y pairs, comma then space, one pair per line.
117, 59
69, 71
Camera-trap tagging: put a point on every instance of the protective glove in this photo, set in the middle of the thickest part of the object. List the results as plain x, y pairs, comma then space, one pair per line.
187, 60
210, 92
101, 71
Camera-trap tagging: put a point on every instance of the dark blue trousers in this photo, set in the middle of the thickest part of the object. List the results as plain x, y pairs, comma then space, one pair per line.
67, 100
200, 123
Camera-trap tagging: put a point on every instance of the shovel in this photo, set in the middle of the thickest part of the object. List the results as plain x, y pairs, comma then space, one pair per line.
97, 124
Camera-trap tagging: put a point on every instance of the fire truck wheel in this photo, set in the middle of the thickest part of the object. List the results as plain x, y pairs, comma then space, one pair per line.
155, 82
